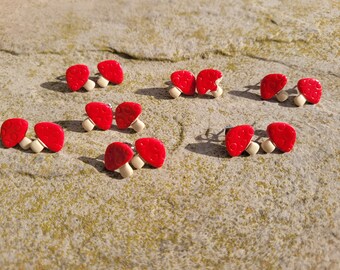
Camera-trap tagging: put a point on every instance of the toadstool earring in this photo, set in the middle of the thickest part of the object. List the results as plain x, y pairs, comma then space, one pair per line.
272, 85
149, 150
99, 114
182, 81
208, 80
239, 139
13, 132
117, 157
281, 135
50, 135
77, 76
309, 89
127, 114
111, 71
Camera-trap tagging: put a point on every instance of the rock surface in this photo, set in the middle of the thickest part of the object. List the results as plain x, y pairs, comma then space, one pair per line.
203, 209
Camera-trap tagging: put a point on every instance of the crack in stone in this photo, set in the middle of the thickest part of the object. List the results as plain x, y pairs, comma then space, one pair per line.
131, 56
292, 66
202, 55
269, 60
333, 74
180, 139
10, 52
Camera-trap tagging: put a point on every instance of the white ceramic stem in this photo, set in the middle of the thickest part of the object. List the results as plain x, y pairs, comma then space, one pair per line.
268, 146
37, 146
125, 170
218, 92
253, 148
89, 85
25, 143
88, 124
138, 125
102, 82
282, 96
300, 100
174, 92
137, 162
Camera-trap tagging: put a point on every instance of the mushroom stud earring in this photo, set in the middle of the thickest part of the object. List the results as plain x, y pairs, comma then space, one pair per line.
50, 135
238, 140
281, 135
13, 132
111, 71
208, 80
77, 76
272, 85
99, 114
182, 81
117, 157
310, 90
149, 150
127, 114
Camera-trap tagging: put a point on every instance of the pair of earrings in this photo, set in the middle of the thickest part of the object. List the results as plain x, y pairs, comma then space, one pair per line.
184, 82
77, 76
309, 89
49, 135
101, 115
239, 139
118, 155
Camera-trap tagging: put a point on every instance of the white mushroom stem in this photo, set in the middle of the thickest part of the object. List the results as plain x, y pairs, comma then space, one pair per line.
137, 162
37, 146
25, 143
102, 82
252, 148
268, 146
138, 125
174, 92
126, 170
300, 100
89, 85
218, 92
282, 96
88, 124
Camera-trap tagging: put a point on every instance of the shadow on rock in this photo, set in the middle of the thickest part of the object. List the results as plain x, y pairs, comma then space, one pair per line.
60, 85
18, 148
71, 125
256, 96
125, 131
245, 94
98, 164
208, 149
210, 144
261, 133
210, 136
157, 92
56, 86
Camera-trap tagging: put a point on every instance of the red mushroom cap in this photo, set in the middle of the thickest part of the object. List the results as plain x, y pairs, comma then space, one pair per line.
116, 155
111, 70
282, 135
272, 84
77, 76
126, 113
185, 81
51, 134
311, 89
206, 80
238, 138
13, 131
151, 150
100, 113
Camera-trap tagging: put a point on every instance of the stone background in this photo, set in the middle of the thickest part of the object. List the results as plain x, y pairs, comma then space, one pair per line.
203, 209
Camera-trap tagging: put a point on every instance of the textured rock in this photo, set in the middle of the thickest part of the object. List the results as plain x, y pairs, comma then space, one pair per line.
202, 208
